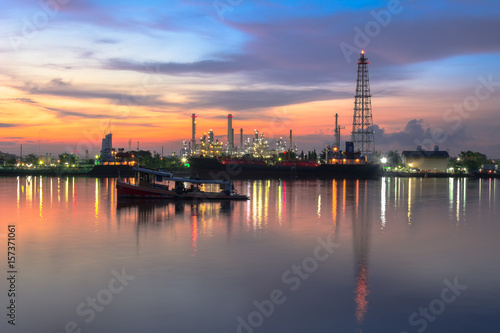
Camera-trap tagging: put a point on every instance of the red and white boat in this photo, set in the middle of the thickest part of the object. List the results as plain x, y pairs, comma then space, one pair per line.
163, 185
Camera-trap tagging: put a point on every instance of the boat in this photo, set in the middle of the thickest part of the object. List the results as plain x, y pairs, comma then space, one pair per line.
164, 185
112, 170
338, 164
211, 167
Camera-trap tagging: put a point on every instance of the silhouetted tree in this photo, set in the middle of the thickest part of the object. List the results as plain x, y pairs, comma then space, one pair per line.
30, 159
322, 155
311, 155
473, 160
67, 158
393, 158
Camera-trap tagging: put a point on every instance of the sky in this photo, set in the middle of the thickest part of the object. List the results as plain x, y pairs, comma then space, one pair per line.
72, 70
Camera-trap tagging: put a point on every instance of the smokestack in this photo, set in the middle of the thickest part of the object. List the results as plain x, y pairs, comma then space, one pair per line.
241, 139
193, 132
230, 131
193, 129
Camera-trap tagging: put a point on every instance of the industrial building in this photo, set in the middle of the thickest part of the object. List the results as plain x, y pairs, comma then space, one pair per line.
426, 160
110, 156
256, 145
362, 135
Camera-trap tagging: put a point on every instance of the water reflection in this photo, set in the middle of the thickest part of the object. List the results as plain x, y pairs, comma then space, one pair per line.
383, 195
147, 214
194, 233
457, 202
416, 192
343, 197
319, 206
282, 216
51, 190
361, 235
334, 204
410, 182
279, 201
18, 192
357, 197
29, 189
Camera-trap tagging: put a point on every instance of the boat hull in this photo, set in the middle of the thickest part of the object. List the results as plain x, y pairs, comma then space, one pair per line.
112, 171
211, 168
126, 190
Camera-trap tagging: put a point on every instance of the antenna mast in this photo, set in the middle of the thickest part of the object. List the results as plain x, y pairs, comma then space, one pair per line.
362, 124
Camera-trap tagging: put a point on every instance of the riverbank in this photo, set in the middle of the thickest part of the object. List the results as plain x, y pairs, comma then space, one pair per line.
53, 172
425, 174
96, 171
127, 171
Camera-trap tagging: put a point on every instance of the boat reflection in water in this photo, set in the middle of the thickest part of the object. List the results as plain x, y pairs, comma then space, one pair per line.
155, 210
159, 214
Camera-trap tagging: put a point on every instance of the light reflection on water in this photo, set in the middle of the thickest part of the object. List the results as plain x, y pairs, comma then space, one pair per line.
215, 258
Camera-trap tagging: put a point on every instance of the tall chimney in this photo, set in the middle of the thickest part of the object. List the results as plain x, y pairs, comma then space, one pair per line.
241, 139
230, 131
193, 131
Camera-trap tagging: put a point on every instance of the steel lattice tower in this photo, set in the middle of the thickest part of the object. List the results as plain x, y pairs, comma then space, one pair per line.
362, 124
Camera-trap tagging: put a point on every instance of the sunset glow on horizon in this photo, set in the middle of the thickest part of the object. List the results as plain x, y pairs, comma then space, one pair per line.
73, 70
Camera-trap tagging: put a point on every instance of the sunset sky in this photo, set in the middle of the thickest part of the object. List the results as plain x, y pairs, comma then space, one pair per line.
71, 67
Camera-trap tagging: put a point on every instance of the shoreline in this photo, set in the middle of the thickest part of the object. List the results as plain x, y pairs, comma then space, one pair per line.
96, 171
426, 174
127, 172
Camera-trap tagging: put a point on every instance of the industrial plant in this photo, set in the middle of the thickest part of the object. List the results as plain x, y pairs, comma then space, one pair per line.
255, 145
360, 147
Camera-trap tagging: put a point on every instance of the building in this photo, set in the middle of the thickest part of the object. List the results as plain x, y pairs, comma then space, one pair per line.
425, 160
107, 153
255, 145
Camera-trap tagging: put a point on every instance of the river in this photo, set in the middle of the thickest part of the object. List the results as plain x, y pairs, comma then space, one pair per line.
388, 255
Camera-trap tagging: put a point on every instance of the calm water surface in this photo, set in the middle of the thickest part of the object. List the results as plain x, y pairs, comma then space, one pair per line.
393, 255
